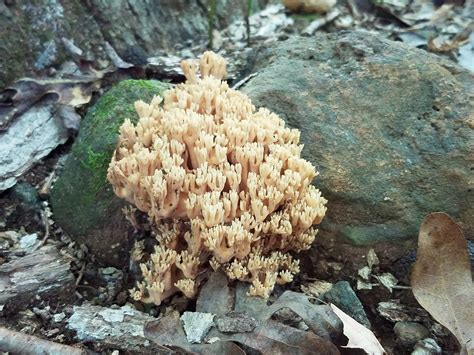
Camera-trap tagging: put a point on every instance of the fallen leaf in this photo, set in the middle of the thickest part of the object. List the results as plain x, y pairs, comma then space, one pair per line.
319, 318
387, 280
364, 272
359, 336
309, 6
215, 296
443, 44
273, 337
441, 278
169, 333
362, 285
25, 93
268, 336
316, 288
394, 311
372, 258
115, 58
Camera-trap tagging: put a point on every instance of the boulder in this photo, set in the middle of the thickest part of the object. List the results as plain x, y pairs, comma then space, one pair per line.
83, 202
389, 127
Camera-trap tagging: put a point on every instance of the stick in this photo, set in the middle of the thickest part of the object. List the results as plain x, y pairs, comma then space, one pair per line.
20, 343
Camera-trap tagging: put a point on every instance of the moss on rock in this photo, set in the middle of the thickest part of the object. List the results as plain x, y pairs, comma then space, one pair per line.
83, 201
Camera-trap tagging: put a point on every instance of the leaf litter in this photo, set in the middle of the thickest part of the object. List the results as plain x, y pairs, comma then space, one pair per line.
268, 336
441, 277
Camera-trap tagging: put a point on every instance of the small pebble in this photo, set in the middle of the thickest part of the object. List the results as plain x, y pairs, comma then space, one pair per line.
196, 325
427, 346
408, 333
235, 322
59, 317
28, 241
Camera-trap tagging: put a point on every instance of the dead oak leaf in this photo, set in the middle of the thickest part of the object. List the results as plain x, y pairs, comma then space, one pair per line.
441, 278
359, 336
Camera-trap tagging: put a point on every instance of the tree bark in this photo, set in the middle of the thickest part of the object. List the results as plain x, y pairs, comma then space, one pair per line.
43, 274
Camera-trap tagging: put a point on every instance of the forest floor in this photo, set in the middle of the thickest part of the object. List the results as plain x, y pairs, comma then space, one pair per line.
384, 291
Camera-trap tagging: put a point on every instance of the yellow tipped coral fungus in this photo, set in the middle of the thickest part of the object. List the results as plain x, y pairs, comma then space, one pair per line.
224, 184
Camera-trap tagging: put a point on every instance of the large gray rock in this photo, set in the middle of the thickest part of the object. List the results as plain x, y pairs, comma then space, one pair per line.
390, 129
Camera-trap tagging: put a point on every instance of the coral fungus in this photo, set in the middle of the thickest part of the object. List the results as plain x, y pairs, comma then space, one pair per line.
223, 183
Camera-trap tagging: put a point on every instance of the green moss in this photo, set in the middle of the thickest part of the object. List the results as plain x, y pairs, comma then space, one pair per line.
82, 199
97, 164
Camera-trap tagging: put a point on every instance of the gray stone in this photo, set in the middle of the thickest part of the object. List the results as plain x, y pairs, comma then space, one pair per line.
389, 127
408, 333
342, 295
59, 317
235, 322
427, 346
27, 197
28, 241
196, 325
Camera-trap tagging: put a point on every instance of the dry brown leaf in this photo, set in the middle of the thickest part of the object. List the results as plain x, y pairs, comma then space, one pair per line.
441, 278
25, 93
359, 336
442, 44
309, 6
319, 318
270, 337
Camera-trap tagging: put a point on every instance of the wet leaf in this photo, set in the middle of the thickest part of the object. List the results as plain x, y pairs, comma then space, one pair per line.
359, 336
215, 296
442, 279
316, 288
169, 333
268, 335
387, 280
319, 318
394, 311
372, 258
309, 6
25, 93
273, 337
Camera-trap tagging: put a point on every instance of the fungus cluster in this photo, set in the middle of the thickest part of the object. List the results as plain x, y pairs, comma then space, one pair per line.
223, 183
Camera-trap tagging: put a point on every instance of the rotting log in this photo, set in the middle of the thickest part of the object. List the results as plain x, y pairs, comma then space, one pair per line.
41, 275
116, 328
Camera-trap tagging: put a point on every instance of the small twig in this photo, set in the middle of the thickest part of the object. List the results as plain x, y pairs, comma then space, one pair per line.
81, 273
44, 190
20, 343
115, 58
44, 219
317, 299
239, 84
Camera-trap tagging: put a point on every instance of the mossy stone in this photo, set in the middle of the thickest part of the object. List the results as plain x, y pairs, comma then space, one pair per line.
388, 127
83, 202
